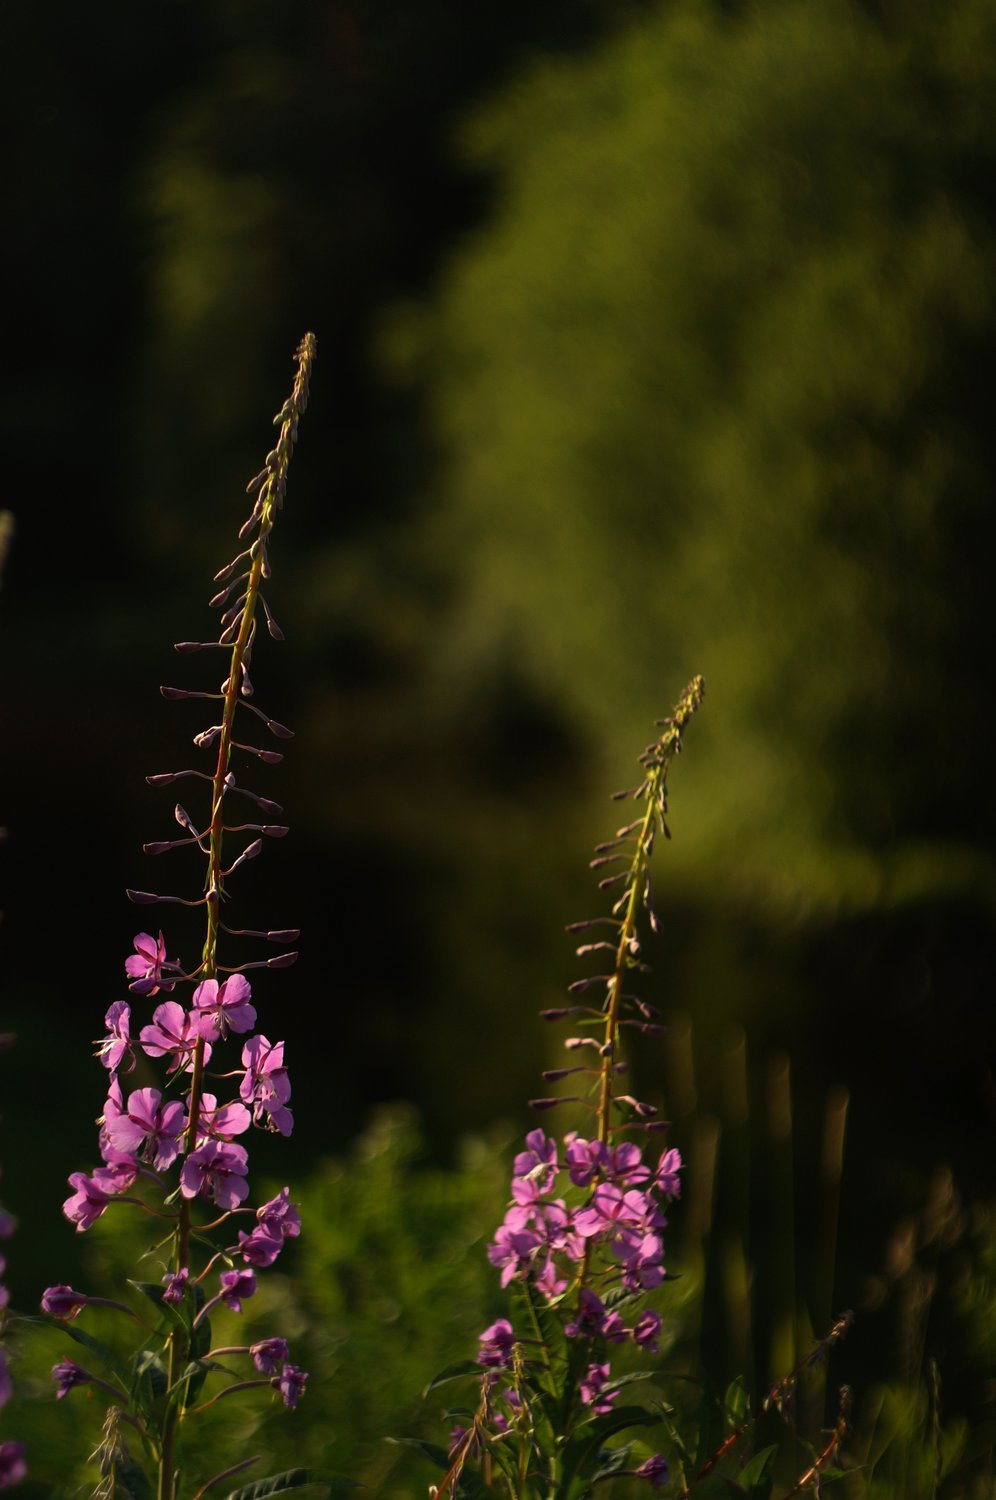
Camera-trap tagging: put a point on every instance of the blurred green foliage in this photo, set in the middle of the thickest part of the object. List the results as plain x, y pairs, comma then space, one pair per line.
389, 1284
711, 388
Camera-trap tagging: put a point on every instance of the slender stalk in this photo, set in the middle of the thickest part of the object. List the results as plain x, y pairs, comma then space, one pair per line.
832, 1448
626, 934
271, 485
245, 1463
658, 761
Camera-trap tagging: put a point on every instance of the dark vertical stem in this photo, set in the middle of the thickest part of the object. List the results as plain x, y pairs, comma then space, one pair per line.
784, 1340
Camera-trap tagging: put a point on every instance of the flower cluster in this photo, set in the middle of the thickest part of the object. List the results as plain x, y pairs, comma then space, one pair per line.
173, 1147
583, 1215
144, 1134
620, 1219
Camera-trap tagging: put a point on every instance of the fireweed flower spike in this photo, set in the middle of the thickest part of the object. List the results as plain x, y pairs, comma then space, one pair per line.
171, 1150
12, 1463
582, 1240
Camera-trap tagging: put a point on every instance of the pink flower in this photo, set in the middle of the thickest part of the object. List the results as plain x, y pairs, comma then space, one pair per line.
666, 1177
66, 1374
62, 1302
173, 1034
237, 1286
260, 1248
146, 964
216, 1170
513, 1245
592, 1319
556, 1224
221, 1008
609, 1209
266, 1087
584, 1159
176, 1286
646, 1331
118, 1174
496, 1345
592, 1386
655, 1470
290, 1383
624, 1164
12, 1466
220, 1124
149, 1127
537, 1165
548, 1282
116, 1045
87, 1203
269, 1355
280, 1216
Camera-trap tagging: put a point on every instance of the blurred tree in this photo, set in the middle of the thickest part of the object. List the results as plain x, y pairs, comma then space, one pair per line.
712, 392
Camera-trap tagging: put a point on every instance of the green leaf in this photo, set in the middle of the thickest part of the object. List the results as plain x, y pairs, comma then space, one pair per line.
179, 1316
107, 1357
611, 1461
202, 1368
712, 1428
507, 1460
620, 1296
432, 1451
545, 1325
453, 1372
756, 1476
469, 1486
736, 1402
635, 1377
676, 1438
151, 1289
130, 1482
591, 1438
198, 1370
290, 1479
150, 1382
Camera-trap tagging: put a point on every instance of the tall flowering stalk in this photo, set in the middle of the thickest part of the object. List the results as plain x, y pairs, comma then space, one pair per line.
582, 1241
12, 1462
171, 1151
12, 1465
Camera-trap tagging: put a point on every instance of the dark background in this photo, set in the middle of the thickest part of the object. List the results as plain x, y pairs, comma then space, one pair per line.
652, 340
